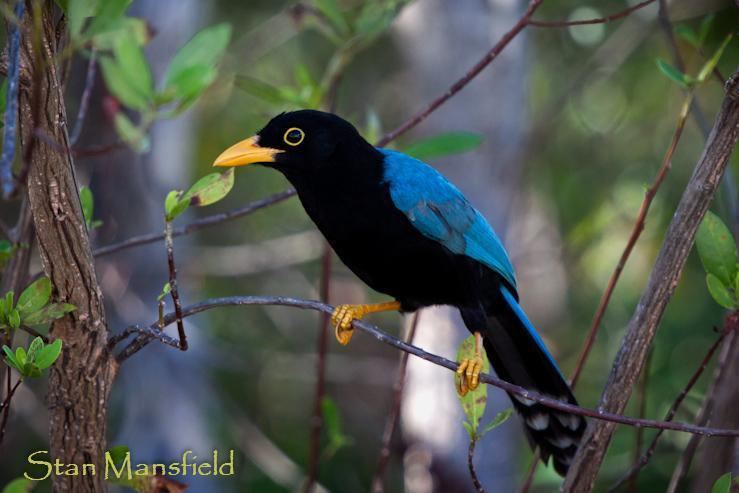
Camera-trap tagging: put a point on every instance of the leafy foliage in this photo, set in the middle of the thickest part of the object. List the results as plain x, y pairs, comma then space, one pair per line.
88, 207
336, 437
444, 144
38, 357
722, 484
19, 485
33, 308
206, 191
717, 250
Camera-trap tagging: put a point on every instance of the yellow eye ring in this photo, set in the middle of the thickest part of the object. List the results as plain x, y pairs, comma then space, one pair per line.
293, 142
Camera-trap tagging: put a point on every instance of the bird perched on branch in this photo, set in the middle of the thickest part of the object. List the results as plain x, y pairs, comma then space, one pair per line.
406, 231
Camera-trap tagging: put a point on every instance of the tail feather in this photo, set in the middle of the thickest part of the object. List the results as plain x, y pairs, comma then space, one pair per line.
519, 356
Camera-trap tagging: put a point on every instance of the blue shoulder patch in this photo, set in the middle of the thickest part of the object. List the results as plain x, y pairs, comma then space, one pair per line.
439, 211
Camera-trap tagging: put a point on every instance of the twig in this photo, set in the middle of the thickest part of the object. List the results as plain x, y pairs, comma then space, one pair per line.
84, 99
11, 109
5, 406
599, 20
471, 467
731, 325
471, 74
173, 285
663, 280
387, 435
314, 445
636, 231
386, 338
203, 223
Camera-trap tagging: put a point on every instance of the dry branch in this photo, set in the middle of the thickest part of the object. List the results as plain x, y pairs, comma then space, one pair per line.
662, 283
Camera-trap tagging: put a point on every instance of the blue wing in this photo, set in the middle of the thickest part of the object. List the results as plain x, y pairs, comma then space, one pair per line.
440, 212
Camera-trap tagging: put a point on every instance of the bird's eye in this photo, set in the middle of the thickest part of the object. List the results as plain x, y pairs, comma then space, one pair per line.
294, 136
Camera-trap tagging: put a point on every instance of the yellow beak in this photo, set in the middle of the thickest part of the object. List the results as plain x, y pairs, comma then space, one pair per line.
248, 151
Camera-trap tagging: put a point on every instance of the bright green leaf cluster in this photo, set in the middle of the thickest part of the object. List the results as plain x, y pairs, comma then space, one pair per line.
128, 76
717, 251
88, 207
207, 190
444, 144
37, 358
33, 308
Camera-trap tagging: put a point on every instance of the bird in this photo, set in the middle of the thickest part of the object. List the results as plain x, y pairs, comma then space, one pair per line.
407, 232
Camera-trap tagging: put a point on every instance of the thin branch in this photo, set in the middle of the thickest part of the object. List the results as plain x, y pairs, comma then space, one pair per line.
636, 231
314, 445
471, 467
5, 406
386, 338
731, 325
11, 109
662, 283
173, 285
203, 223
84, 99
387, 435
599, 20
471, 74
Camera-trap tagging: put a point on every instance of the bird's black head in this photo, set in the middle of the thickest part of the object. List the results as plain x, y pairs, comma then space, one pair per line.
299, 143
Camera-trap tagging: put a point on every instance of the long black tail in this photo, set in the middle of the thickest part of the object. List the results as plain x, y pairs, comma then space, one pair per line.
519, 356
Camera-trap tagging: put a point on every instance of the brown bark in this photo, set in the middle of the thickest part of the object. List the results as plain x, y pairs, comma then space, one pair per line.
79, 383
662, 283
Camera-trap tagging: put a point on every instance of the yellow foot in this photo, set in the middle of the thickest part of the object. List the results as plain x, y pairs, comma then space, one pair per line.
468, 373
344, 315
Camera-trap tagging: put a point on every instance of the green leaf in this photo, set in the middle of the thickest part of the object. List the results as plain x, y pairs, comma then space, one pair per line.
14, 319
717, 249
77, 12
188, 84
336, 437
210, 188
722, 484
131, 134
673, 73
35, 296
3, 97
86, 199
688, 34
109, 13
498, 420
118, 454
133, 64
173, 206
205, 48
48, 314
9, 301
260, 90
36, 345
20, 356
719, 292
31, 370
444, 144
330, 9
10, 359
118, 82
705, 28
19, 485
713, 61
470, 431
130, 28
49, 354
165, 291
6, 250
475, 401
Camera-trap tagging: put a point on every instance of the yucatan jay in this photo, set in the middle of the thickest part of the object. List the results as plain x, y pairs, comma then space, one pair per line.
406, 231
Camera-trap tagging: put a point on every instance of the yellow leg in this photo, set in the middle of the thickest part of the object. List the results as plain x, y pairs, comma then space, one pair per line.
344, 315
470, 368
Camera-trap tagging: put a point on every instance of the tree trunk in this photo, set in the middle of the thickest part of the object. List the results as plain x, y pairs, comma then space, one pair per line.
79, 382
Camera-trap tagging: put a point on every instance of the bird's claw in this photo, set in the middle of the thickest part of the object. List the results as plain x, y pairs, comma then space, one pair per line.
342, 319
468, 374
